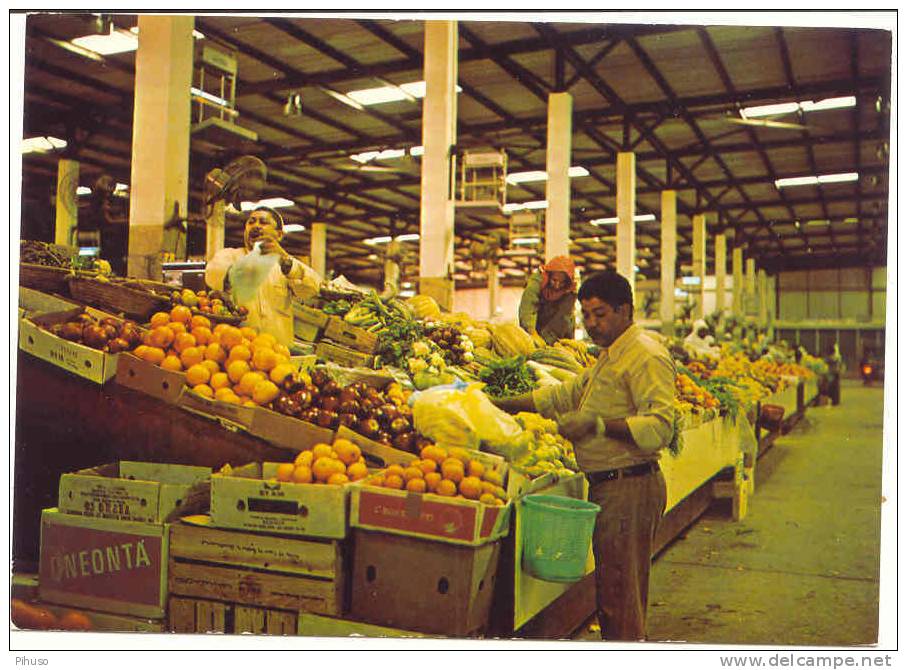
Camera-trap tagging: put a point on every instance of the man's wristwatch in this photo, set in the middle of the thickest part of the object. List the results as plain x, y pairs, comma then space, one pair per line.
286, 264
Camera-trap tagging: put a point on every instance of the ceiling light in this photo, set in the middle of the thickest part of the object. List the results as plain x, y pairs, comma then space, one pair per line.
83, 190
345, 99
115, 42
526, 240
197, 35
614, 219
769, 110
818, 222
409, 237
820, 179
796, 181
387, 154
690, 281
513, 272
42, 145
293, 228
837, 178
680, 293
384, 239
791, 107
541, 175
267, 202
199, 93
373, 257
851, 220
828, 103
407, 294
393, 93
121, 189
532, 204
417, 151
577, 171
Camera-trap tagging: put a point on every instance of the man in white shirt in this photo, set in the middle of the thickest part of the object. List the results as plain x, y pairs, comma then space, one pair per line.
619, 414
270, 309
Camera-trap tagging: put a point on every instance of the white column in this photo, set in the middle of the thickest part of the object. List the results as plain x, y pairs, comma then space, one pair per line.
668, 259
67, 207
493, 284
626, 212
215, 224
439, 125
699, 264
762, 283
720, 269
749, 300
159, 182
737, 269
318, 248
557, 189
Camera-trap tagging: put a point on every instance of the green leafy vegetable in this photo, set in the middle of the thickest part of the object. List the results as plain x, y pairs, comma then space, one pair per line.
507, 377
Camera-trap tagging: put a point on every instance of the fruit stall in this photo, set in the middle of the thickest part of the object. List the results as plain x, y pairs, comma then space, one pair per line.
189, 473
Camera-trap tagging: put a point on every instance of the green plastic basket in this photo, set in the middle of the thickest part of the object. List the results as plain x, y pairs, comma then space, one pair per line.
556, 536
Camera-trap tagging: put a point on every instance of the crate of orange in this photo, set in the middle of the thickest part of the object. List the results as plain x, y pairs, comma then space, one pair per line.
308, 496
445, 495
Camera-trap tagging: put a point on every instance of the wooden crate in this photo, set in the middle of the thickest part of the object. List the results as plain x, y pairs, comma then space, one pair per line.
195, 615
351, 336
255, 572
343, 356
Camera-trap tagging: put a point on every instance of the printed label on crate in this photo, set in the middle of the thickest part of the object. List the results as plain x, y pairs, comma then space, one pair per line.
101, 564
109, 500
489, 519
430, 518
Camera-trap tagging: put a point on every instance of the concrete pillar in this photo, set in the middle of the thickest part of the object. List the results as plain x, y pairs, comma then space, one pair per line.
557, 190
318, 248
668, 259
159, 182
439, 126
215, 224
699, 264
626, 212
762, 283
67, 207
737, 270
493, 285
720, 269
749, 299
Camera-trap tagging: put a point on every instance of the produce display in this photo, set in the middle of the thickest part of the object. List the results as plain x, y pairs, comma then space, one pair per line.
34, 617
547, 450
208, 303
58, 256
690, 397
333, 464
105, 334
451, 473
507, 377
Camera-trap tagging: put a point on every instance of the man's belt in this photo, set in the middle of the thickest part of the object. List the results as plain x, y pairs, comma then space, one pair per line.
619, 473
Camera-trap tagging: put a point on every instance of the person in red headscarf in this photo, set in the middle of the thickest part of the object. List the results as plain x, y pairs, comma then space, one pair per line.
548, 306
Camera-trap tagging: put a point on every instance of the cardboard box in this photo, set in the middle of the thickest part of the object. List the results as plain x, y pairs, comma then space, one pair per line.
307, 332
250, 498
286, 431
104, 565
351, 336
519, 485
38, 302
310, 315
316, 625
88, 363
232, 417
132, 372
418, 585
376, 452
128, 490
343, 356
193, 615
427, 516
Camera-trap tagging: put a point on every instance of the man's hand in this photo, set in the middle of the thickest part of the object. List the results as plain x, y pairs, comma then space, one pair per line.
576, 425
271, 245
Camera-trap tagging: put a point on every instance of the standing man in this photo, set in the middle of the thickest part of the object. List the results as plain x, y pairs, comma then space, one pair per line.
270, 309
547, 307
619, 414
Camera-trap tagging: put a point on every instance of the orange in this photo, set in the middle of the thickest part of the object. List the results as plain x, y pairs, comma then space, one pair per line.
500, 493
393, 482
347, 452
304, 458
446, 488
246, 343
412, 472
160, 319
220, 380
376, 480
183, 341
282, 350
215, 352
427, 466
285, 472
202, 335
432, 452
220, 328
471, 487
302, 474
247, 384
494, 477
233, 399
394, 470
416, 485
475, 469
322, 450
488, 487
460, 454
263, 359
239, 353
414, 463
487, 499
160, 337
223, 393
177, 327
171, 362
280, 372
453, 470
192, 356
230, 337
140, 351
248, 333
236, 369
281, 359
152, 355
338, 479
198, 374
323, 468
213, 367
204, 390
431, 481
265, 340
265, 392
181, 313
199, 321
356, 471
249, 403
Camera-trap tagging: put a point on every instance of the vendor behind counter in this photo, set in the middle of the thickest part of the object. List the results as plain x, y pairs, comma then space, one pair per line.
548, 305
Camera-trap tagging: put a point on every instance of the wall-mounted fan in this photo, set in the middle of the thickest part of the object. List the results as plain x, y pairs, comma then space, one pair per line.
241, 179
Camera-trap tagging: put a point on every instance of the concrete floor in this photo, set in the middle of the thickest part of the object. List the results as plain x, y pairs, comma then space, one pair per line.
803, 567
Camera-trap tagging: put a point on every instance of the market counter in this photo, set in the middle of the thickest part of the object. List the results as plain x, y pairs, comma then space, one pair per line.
65, 423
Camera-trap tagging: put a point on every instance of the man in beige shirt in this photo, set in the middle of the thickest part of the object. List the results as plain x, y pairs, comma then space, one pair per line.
618, 414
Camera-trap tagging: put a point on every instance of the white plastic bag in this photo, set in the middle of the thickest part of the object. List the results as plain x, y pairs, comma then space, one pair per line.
249, 272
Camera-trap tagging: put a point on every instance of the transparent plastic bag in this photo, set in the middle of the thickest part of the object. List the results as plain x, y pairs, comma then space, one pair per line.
249, 272
440, 415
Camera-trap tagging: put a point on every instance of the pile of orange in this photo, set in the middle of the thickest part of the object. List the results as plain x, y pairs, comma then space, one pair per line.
450, 473
234, 365
334, 464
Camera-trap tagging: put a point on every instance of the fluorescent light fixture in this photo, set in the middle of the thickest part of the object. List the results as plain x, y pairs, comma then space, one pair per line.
513, 272
542, 175
384, 94
406, 284
577, 171
635, 268
42, 145
209, 97
818, 222
417, 151
345, 99
115, 42
791, 107
680, 293
121, 189
851, 219
365, 156
387, 154
373, 257
248, 205
89, 251
690, 281
197, 35
532, 204
384, 239
83, 190
820, 179
293, 228
407, 294
526, 240
409, 237
614, 219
